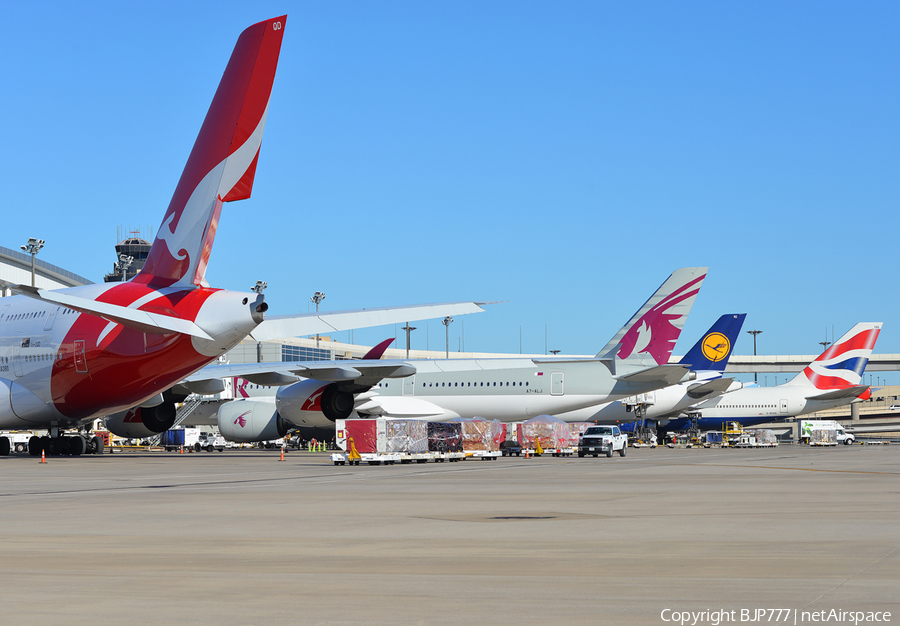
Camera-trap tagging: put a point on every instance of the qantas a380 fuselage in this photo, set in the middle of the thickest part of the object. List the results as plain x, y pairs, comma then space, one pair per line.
62, 367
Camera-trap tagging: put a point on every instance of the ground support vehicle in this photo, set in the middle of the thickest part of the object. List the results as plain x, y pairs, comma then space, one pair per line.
18, 441
824, 433
366, 457
440, 457
510, 447
484, 455
416, 457
598, 440
178, 438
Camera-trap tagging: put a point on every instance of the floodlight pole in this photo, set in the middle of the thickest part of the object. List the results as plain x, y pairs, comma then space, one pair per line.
32, 247
317, 297
754, 333
408, 330
446, 322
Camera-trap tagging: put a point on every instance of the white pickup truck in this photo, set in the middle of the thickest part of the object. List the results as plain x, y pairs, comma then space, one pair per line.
598, 440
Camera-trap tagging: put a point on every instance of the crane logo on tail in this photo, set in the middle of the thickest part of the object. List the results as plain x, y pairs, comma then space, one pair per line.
715, 347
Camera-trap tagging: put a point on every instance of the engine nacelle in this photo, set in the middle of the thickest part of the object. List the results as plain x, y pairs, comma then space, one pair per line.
249, 421
314, 403
141, 422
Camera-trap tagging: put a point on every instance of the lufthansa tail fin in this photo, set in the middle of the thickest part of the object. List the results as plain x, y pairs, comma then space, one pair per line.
711, 353
649, 336
222, 163
841, 366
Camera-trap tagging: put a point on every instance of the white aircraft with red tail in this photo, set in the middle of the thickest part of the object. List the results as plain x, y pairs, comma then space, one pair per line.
68, 356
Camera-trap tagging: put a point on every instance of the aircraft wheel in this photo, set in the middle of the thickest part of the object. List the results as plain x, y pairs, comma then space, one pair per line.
97, 444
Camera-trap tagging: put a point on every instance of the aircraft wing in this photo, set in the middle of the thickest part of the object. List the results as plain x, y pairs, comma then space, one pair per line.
837, 394
669, 374
363, 371
282, 326
144, 321
713, 387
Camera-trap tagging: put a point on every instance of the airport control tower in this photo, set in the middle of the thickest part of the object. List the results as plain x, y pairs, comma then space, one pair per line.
131, 253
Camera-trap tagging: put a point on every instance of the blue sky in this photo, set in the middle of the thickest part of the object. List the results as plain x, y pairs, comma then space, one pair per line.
563, 157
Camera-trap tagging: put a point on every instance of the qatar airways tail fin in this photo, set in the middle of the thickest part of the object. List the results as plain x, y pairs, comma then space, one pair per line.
649, 336
222, 163
711, 353
839, 370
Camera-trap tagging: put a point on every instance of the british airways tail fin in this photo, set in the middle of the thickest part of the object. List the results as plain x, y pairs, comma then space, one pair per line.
222, 163
841, 366
650, 335
711, 353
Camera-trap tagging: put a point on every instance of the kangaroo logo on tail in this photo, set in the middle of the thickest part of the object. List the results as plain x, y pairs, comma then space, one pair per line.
222, 164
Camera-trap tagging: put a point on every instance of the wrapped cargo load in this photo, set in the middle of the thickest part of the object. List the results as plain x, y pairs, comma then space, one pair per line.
576, 430
406, 436
480, 435
822, 437
551, 431
444, 437
764, 437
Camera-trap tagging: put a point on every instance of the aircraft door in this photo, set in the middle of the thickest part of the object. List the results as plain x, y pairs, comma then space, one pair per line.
80, 357
409, 385
17, 361
557, 384
783, 407
48, 325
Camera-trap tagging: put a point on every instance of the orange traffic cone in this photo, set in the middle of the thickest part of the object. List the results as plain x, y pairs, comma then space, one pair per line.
182, 449
282, 454
43, 458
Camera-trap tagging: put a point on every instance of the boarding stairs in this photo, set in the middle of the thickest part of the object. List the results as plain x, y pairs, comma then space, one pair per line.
187, 407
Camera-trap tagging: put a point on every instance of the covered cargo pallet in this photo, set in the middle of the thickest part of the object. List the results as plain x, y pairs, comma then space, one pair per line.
553, 433
822, 437
444, 437
765, 437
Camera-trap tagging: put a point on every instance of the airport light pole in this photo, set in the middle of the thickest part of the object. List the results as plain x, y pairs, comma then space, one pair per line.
824, 345
555, 352
755, 333
32, 247
124, 263
317, 298
408, 330
446, 322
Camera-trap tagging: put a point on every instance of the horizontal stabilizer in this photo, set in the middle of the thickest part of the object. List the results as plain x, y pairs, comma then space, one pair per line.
837, 394
718, 387
144, 321
283, 326
668, 374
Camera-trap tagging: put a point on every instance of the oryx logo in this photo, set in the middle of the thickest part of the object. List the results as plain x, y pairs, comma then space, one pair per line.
657, 330
715, 347
241, 420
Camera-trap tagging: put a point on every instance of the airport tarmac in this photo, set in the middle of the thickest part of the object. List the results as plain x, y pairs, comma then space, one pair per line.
241, 538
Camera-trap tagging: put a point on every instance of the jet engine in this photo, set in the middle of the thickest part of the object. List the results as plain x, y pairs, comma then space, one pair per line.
315, 403
248, 421
145, 421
